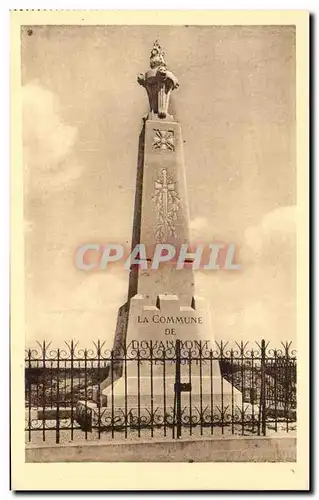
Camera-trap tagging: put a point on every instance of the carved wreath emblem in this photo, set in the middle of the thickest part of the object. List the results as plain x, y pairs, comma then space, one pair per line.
166, 205
164, 139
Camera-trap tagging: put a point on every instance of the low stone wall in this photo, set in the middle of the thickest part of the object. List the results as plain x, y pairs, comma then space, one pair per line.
239, 449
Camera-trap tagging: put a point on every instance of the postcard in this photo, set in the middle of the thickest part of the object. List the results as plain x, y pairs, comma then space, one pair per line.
159, 250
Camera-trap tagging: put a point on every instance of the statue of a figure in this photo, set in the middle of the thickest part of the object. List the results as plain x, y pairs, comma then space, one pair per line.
158, 82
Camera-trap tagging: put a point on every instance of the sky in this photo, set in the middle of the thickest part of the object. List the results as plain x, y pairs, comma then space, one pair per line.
82, 115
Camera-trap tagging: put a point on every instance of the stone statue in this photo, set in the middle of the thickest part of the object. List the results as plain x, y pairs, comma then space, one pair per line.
158, 82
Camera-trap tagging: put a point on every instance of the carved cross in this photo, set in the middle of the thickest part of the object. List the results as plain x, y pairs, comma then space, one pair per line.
167, 204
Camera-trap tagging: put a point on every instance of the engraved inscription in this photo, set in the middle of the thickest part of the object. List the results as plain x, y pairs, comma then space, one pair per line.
169, 344
184, 320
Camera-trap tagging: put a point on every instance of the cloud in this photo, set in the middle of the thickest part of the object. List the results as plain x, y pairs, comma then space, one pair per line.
260, 300
276, 230
85, 313
199, 227
47, 140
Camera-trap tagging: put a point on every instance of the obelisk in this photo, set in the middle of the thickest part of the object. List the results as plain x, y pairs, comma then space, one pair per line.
162, 305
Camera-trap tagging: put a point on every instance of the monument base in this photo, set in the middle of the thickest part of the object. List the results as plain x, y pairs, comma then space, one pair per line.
144, 390
140, 402
148, 356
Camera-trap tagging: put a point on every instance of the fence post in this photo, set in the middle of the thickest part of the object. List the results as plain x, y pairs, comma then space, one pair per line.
177, 390
43, 388
112, 389
57, 430
263, 388
29, 396
98, 387
287, 382
72, 386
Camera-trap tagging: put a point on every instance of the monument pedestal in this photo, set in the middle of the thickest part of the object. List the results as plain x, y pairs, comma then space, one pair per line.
141, 389
144, 402
144, 391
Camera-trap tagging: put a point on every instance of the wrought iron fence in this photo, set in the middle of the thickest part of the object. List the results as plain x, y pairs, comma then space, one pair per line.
156, 389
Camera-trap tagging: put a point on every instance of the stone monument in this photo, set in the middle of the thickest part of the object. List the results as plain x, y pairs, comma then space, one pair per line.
162, 304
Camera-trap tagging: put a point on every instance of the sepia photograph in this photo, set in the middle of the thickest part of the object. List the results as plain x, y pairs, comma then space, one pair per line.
161, 206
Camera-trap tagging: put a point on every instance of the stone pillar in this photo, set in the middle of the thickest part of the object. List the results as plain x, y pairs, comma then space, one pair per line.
162, 305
